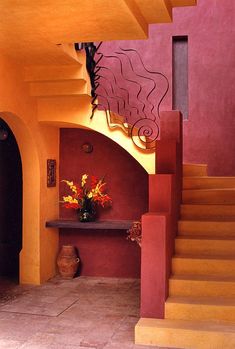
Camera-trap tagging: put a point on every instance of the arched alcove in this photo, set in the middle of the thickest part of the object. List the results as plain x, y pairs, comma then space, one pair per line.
10, 203
105, 252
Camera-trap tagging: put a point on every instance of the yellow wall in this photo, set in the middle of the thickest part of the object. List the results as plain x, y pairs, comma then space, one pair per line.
35, 123
36, 144
76, 111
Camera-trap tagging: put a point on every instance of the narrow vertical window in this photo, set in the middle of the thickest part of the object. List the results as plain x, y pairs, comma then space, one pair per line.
180, 74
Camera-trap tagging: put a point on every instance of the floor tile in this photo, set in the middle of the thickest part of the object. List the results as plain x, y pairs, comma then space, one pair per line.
80, 313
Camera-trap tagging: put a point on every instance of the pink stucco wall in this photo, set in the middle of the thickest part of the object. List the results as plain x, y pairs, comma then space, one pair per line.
210, 26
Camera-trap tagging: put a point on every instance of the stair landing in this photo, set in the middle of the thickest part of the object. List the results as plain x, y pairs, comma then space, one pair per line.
185, 334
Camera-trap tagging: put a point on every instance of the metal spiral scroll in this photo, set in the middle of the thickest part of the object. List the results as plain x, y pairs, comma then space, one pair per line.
145, 130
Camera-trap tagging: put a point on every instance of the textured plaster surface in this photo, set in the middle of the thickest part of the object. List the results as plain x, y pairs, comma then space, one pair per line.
86, 312
209, 130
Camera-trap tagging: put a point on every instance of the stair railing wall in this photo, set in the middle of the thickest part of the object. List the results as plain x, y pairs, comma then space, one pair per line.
159, 225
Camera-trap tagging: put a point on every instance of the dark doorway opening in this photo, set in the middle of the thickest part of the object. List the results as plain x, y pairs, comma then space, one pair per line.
180, 74
10, 204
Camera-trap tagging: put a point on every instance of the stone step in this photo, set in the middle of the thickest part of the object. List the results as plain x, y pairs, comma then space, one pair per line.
200, 308
185, 334
58, 88
205, 246
54, 73
206, 182
207, 212
194, 170
209, 196
203, 265
206, 228
202, 286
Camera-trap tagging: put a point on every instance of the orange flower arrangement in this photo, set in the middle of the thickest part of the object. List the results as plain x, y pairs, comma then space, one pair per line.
90, 188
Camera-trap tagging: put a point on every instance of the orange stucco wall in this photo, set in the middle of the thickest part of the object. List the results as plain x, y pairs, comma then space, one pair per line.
36, 144
35, 124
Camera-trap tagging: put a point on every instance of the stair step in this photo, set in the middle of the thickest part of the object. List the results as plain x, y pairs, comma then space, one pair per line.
58, 88
217, 212
194, 170
206, 228
200, 308
54, 73
185, 334
205, 182
202, 285
76, 56
203, 265
205, 246
209, 196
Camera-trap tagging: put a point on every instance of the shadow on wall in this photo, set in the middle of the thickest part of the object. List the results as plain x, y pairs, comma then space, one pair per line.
10, 203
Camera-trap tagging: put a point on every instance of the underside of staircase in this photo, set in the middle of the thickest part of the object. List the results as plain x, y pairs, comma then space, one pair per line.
200, 309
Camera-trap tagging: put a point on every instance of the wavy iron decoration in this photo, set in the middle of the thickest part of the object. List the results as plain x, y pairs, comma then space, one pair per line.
111, 92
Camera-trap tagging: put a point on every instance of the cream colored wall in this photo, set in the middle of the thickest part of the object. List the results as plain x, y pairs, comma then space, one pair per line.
36, 144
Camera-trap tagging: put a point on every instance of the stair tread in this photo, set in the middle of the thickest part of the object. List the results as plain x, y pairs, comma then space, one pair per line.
206, 205
209, 189
194, 277
188, 324
201, 256
217, 301
82, 94
203, 221
211, 177
222, 218
205, 238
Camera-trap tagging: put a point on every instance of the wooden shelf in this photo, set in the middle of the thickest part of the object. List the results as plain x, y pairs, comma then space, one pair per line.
108, 224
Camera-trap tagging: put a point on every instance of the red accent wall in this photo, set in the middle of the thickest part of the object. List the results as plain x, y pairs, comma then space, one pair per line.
104, 253
209, 131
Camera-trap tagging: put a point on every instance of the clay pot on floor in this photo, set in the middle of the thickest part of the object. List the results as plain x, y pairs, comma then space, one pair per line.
68, 261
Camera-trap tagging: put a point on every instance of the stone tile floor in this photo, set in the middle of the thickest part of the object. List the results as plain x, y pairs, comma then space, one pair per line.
86, 312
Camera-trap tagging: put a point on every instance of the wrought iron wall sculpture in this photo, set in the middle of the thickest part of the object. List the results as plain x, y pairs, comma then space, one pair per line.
123, 86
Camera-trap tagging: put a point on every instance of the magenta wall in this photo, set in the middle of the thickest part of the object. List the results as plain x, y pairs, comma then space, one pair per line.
209, 131
104, 253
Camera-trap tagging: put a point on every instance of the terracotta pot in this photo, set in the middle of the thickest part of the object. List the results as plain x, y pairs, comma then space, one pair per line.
67, 261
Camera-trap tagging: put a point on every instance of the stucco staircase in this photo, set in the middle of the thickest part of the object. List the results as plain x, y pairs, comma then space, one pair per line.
63, 96
200, 309
58, 79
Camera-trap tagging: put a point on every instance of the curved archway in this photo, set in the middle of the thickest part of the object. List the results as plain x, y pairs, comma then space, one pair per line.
29, 255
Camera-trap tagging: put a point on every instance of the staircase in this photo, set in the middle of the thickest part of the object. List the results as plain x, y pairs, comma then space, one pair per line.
200, 309
63, 96
56, 80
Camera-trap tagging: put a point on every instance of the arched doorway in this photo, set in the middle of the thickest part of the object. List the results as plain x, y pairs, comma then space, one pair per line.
10, 203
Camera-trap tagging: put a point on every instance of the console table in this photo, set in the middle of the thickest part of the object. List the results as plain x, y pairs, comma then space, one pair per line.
105, 224
102, 246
